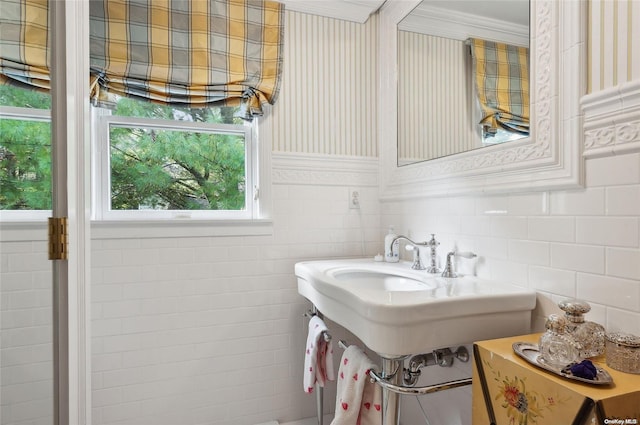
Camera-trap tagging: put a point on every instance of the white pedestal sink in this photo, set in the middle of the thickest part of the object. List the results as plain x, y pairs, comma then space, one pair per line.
397, 311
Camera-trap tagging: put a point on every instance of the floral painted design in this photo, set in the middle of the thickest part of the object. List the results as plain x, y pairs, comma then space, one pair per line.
523, 406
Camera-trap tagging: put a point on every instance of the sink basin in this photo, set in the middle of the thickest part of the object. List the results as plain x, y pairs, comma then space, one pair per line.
397, 311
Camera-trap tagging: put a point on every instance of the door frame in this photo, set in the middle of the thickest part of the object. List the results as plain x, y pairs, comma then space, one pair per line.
70, 122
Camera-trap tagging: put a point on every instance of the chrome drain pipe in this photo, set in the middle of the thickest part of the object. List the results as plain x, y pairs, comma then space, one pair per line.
391, 380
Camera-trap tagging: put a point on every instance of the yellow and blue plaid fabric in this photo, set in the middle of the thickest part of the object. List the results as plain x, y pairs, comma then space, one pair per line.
185, 52
188, 52
24, 43
502, 83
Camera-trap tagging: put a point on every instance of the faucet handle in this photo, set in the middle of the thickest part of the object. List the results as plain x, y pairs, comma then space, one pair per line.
448, 269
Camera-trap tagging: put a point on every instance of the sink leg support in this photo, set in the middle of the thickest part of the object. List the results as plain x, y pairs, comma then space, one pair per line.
392, 372
320, 404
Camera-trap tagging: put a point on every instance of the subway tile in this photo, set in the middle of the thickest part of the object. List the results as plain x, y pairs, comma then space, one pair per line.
529, 252
16, 281
610, 231
493, 247
610, 291
509, 227
107, 258
583, 258
623, 263
623, 200
598, 313
20, 262
613, 170
492, 205
122, 274
106, 397
619, 320
102, 327
552, 229
578, 202
561, 282
530, 204
475, 225
510, 272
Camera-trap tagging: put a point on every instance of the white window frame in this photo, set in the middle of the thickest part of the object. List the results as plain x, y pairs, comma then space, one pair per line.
26, 114
142, 223
101, 184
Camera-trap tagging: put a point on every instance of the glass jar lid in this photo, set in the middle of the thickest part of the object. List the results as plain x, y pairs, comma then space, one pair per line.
621, 338
574, 309
555, 323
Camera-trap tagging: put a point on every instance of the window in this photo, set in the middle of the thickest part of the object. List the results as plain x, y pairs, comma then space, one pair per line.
149, 161
25, 153
158, 161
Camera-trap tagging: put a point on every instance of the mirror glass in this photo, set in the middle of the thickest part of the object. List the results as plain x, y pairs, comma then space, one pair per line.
439, 106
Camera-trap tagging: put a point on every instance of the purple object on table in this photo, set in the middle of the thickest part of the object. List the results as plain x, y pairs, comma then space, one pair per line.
585, 369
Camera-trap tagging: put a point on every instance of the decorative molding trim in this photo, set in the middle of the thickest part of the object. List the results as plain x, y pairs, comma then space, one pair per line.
612, 121
550, 158
328, 170
348, 10
440, 22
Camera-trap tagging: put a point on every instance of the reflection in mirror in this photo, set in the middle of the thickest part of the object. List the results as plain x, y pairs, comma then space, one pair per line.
443, 80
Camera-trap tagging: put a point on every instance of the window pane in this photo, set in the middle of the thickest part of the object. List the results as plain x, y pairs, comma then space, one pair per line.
25, 164
20, 97
129, 107
168, 169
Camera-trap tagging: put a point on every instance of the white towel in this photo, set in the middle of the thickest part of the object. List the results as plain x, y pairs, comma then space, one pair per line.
358, 400
318, 358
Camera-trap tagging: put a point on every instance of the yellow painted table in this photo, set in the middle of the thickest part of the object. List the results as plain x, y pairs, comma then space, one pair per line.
508, 390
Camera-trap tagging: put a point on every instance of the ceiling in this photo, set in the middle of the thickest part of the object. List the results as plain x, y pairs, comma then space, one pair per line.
513, 11
350, 10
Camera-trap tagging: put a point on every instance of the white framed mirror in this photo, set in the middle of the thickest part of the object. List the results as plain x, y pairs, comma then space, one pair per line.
549, 158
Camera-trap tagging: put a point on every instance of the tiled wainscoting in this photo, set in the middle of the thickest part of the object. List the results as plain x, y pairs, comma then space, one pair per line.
207, 330
195, 330
579, 243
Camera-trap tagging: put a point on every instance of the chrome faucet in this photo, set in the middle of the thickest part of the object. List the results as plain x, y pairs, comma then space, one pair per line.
433, 244
417, 263
448, 268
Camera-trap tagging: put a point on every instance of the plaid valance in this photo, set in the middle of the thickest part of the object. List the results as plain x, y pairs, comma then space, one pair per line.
24, 43
184, 52
502, 83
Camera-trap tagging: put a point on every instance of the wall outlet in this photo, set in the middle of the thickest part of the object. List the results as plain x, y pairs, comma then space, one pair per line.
354, 199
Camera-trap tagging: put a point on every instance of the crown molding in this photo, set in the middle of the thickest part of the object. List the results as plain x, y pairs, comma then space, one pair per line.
612, 121
457, 25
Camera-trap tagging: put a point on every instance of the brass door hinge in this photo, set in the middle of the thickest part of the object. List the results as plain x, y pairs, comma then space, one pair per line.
58, 238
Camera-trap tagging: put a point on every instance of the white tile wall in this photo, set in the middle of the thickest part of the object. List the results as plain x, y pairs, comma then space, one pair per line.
208, 330
26, 349
582, 243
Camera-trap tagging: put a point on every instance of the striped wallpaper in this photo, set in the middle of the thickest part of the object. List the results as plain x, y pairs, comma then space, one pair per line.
614, 43
328, 100
433, 97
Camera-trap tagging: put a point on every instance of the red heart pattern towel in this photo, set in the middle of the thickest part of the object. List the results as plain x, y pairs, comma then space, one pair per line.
318, 356
358, 400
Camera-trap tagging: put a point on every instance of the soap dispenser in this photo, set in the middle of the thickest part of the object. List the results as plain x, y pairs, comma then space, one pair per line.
589, 335
391, 253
